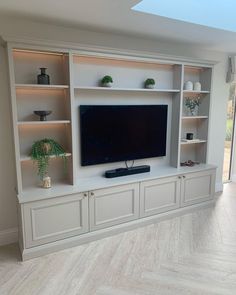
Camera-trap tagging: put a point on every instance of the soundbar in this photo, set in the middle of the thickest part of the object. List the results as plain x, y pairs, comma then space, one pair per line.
127, 171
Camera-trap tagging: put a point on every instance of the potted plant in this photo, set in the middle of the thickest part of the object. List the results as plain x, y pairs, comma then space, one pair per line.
192, 104
41, 153
107, 81
149, 83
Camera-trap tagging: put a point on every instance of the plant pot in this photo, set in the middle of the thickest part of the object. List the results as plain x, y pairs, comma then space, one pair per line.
150, 86
188, 85
47, 182
46, 147
108, 84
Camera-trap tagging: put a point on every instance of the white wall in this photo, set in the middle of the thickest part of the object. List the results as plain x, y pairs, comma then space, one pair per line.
24, 29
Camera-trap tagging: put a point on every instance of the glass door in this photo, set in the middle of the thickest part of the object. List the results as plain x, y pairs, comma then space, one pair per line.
229, 134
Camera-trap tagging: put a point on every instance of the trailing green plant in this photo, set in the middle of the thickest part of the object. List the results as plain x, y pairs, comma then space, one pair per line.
107, 79
150, 81
192, 102
42, 151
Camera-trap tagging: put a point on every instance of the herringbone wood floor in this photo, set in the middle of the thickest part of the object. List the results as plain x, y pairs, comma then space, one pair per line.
191, 254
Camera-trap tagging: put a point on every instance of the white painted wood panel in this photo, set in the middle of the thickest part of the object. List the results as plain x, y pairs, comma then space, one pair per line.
159, 195
108, 207
52, 220
197, 187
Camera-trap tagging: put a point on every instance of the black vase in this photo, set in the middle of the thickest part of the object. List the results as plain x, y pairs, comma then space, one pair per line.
43, 78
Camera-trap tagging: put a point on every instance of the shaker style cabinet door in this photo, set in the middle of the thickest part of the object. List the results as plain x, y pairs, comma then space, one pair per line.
197, 187
112, 206
55, 219
157, 196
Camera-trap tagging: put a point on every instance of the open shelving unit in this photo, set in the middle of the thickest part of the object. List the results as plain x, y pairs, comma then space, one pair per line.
28, 96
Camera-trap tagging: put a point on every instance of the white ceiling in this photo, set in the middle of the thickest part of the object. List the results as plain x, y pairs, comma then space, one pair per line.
117, 16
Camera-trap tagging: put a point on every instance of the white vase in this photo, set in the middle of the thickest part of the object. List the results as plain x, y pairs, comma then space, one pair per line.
188, 85
197, 86
47, 182
193, 112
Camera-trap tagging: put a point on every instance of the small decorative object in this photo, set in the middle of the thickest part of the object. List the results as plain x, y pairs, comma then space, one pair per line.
192, 104
47, 182
107, 81
41, 152
43, 78
149, 83
188, 85
189, 136
197, 86
42, 115
189, 163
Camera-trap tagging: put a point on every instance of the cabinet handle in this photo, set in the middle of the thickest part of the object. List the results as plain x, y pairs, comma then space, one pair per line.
85, 195
184, 176
179, 177
92, 194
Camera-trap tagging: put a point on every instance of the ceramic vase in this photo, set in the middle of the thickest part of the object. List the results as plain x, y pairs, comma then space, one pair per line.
43, 78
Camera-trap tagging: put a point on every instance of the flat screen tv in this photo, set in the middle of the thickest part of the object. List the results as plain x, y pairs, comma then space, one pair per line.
112, 133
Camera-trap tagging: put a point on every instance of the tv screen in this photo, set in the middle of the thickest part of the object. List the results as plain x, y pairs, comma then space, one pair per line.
112, 133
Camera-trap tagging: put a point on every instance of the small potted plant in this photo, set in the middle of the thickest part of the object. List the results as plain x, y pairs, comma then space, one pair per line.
107, 81
41, 153
149, 83
192, 104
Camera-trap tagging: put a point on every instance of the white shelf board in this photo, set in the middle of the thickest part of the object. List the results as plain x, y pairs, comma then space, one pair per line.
193, 142
28, 158
40, 86
22, 123
194, 117
127, 89
32, 194
196, 92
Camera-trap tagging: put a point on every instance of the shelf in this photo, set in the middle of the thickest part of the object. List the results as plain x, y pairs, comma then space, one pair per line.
193, 142
28, 158
38, 86
194, 117
195, 92
127, 89
23, 123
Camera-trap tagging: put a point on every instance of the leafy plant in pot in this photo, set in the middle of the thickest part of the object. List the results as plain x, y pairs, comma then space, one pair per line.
41, 153
149, 83
107, 81
192, 104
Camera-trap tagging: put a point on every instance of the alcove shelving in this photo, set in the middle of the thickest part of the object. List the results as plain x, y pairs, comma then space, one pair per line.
27, 97
197, 124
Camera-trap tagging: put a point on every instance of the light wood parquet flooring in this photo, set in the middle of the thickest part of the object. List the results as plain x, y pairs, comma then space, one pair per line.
194, 254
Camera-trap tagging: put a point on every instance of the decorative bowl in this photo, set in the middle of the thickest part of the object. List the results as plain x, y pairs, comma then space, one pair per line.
42, 114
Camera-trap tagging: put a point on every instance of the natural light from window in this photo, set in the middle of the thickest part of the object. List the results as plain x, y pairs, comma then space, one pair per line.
212, 13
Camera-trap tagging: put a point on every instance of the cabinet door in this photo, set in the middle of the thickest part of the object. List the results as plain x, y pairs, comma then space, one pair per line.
51, 220
197, 187
111, 206
160, 195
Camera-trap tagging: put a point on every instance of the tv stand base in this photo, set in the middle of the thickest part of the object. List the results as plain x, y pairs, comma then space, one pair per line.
127, 171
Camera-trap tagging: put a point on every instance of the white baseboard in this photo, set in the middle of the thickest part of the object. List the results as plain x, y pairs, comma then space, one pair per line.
233, 177
9, 236
219, 187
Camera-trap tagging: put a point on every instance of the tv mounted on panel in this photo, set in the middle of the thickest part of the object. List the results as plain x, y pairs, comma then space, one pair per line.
114, 133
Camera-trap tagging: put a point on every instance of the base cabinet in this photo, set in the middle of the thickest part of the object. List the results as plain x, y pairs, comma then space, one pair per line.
108, 207
55, 219
197, 187
160, 195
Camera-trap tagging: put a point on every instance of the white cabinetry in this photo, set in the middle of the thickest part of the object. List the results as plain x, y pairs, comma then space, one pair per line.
159, 195
55, 219
197, 187
111, 206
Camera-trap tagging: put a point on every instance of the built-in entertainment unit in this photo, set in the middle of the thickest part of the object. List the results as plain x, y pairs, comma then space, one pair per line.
112, 133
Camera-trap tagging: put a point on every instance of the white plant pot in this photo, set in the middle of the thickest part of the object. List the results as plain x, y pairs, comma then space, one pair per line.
47, 182
109, 84
188, 86
150, 86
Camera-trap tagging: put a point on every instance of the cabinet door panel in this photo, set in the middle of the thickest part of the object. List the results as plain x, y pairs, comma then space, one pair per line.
51, 220
198, 187
158, 196
113, 206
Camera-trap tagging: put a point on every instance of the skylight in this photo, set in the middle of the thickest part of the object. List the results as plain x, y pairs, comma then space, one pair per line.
220, 14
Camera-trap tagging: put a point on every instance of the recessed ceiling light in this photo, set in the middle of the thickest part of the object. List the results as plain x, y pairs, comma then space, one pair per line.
220, 14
